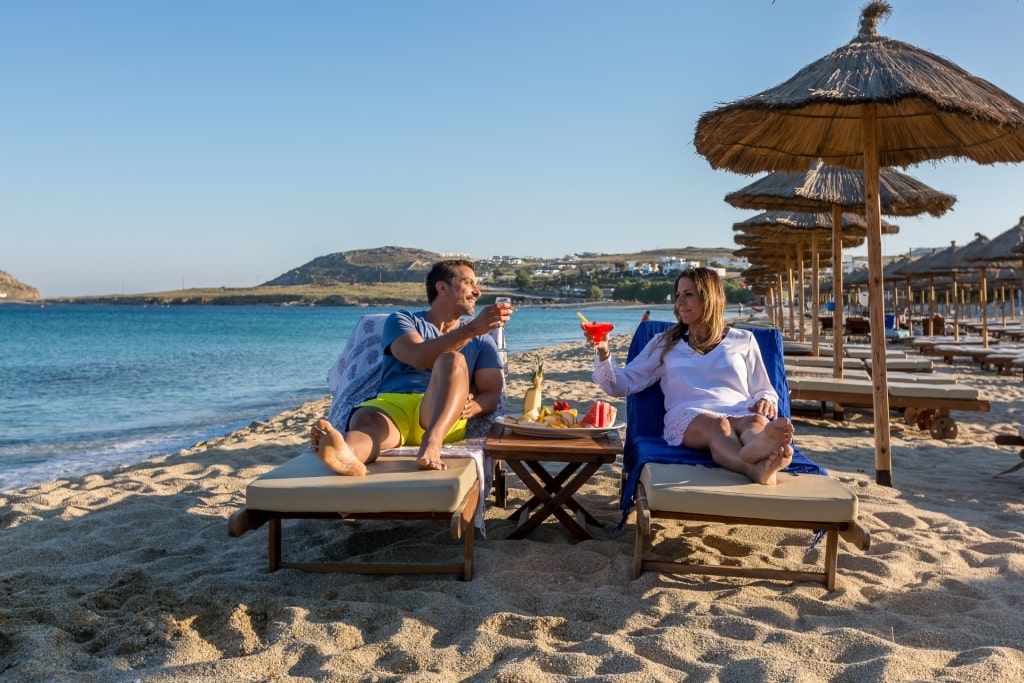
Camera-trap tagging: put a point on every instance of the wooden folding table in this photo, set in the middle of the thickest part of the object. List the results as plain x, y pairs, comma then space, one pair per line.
553, 494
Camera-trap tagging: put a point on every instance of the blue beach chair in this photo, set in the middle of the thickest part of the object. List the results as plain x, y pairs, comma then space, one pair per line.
670, 482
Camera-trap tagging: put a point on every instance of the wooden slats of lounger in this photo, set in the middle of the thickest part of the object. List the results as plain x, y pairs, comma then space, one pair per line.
901, 394
394, 489
926, 404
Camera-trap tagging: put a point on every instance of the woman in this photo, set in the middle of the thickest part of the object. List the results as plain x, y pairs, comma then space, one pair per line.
717, 393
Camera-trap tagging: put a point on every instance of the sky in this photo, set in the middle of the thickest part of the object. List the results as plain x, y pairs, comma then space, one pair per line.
151, 146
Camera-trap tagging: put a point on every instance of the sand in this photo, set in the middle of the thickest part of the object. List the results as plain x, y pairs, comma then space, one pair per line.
130, 575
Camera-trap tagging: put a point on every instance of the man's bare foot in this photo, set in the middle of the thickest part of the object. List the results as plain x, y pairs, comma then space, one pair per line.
430, 461
765, 472
776, 434
329, 445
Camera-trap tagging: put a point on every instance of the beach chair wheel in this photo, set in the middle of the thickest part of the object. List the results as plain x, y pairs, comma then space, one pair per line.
943, 428
925, 419
910, 415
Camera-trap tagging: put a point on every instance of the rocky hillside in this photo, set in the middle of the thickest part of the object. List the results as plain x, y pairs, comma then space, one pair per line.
401, 264
12, 290
383, 264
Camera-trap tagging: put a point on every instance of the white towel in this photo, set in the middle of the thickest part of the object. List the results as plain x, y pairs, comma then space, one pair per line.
467, 448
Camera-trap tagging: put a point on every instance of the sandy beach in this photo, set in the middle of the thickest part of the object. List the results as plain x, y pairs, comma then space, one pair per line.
129, 575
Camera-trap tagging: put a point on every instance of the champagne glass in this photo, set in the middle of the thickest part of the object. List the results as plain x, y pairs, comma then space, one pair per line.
502, 302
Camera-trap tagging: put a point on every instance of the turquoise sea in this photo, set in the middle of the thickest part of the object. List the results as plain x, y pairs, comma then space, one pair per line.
84, 388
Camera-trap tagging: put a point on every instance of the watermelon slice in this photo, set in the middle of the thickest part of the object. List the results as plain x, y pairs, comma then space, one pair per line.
600, 415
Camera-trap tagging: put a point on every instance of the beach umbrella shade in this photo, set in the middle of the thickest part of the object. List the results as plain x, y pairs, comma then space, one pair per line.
1007, 247
817, 228
956, 262
781, 259
821, 187
938, 264
837, 190
773, 245
873, 102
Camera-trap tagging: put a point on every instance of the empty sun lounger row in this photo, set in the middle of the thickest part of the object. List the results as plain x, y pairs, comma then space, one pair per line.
927, 405
916, 365
862, 374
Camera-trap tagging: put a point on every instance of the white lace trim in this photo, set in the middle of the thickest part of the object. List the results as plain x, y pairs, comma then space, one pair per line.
675, 425
604, 370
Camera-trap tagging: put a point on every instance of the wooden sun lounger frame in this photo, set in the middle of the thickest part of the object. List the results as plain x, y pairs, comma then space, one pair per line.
927, 412
460, 523
851, 531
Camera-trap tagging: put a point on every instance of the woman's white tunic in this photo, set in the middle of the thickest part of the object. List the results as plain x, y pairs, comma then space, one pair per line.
727, 381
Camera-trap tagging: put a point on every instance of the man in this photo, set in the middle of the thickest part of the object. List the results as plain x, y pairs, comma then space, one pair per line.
438, 371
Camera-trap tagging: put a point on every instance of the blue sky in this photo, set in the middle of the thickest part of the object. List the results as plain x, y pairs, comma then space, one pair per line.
151, 145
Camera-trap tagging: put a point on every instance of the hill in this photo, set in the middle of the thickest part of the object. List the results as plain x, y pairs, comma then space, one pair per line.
383, 264
399, 264
14, 291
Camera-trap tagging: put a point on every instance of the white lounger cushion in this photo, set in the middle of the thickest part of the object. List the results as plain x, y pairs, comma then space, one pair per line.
694, 489
304, 484
905, 389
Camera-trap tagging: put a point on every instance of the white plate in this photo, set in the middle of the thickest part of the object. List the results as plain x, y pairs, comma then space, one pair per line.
536, 429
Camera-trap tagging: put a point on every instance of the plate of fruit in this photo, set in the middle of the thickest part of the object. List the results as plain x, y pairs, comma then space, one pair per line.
561, 421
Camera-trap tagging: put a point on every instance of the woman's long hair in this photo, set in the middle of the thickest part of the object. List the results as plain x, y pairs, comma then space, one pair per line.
712, 294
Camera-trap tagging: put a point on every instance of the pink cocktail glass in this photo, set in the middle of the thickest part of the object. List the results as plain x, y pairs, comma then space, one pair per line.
597, 332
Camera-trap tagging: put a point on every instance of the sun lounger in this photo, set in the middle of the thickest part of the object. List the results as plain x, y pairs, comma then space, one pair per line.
862, 374
824, 362
678, 483
1012, 440
1001, 361
864, 352
904, 364
925, 404
950, 352
393, 489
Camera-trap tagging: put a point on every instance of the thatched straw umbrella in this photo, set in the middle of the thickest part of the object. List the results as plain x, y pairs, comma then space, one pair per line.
1006, 247
761, 279
838, 190
778, 245
956, 262
818, 229
871, 103
939, 264
781, 259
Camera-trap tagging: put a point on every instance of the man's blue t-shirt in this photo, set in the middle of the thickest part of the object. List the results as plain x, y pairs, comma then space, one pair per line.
399, 378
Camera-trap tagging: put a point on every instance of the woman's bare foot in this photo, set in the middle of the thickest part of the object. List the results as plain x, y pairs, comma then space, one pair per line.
329, 445
775, 435
765, 472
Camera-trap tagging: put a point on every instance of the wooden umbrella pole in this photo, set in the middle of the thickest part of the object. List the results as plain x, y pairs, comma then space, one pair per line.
792, 293
932, 303
956, 310
801, 267
983, 297
815, 293
837, 291
876, 302
779, 323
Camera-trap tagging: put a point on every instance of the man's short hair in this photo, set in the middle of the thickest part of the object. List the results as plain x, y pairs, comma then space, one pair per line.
444, 271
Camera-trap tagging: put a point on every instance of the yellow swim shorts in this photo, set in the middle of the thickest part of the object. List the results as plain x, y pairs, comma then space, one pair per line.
404, 411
